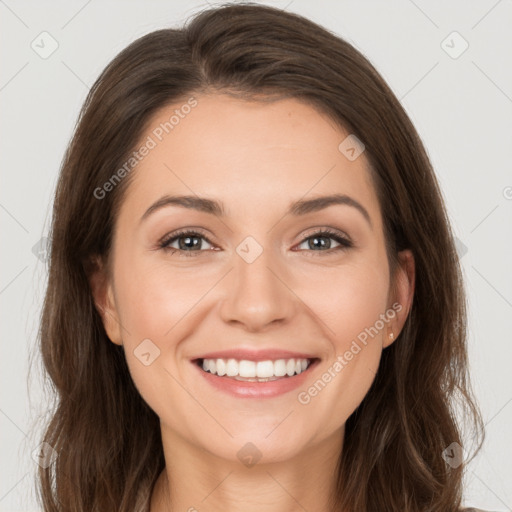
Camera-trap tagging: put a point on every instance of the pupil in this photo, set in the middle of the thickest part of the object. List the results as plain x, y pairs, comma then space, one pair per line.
187, 239
322, 239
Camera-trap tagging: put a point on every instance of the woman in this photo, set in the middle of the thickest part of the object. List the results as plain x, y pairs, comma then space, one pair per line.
254, 299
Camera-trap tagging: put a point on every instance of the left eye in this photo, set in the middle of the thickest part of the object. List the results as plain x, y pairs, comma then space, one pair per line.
320, 237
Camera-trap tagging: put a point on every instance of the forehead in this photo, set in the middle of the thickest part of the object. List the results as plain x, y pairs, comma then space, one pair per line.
253, 156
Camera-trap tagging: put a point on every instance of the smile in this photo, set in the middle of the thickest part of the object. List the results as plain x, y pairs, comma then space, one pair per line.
246, 378
254, 371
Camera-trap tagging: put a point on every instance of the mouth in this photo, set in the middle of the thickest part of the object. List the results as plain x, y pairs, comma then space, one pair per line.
244, 370
256, 377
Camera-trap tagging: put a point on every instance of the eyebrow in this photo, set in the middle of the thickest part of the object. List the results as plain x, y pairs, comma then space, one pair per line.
298, 208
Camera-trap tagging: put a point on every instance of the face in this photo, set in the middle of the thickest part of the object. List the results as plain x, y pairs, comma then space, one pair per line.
250, 268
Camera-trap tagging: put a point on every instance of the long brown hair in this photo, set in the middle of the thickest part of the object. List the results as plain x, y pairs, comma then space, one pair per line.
107, 439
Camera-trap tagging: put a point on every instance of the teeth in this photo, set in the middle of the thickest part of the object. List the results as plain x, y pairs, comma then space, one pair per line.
265, 369
255, 370
231, 368
280, 368
247, 369
290, 367
221, 367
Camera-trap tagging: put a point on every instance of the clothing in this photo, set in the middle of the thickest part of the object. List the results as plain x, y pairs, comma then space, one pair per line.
474, 510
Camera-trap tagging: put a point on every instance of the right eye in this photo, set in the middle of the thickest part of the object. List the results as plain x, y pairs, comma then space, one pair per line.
189, 242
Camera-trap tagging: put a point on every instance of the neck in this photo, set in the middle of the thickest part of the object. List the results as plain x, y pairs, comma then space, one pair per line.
195, 479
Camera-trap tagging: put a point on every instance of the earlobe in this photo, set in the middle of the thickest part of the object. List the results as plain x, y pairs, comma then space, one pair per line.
402, 296
103, 295
389, 338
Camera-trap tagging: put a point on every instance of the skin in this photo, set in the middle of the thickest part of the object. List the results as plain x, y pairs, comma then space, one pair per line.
256, 158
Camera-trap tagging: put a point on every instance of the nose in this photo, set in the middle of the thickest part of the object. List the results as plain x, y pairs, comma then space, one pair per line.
256, 294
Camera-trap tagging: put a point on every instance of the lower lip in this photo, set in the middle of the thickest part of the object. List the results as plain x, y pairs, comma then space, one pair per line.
243, 389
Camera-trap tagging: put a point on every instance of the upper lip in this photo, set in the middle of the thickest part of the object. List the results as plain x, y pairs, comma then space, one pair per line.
255, 355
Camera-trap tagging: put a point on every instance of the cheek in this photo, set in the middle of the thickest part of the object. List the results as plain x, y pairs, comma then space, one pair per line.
158, 307
352, 310
356, 305
153, 304
153, 299
348, 300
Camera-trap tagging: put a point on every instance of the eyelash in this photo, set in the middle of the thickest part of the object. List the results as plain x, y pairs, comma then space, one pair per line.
345, 243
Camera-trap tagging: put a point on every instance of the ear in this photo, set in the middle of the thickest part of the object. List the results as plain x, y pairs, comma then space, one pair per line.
401, 295
103, 295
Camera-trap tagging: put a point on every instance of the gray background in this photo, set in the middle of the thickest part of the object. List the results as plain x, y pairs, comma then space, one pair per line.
462, 108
